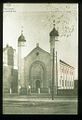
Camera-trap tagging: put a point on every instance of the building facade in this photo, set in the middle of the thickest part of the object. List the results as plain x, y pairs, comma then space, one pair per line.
39, 71
10, 73
66, 76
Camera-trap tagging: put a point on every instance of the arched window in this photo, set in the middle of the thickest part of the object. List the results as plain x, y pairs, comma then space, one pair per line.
36, 72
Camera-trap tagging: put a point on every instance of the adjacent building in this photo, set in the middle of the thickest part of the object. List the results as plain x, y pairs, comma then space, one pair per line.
10, 73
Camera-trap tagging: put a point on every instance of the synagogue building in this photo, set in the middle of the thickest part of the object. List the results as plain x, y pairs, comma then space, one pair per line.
38, 71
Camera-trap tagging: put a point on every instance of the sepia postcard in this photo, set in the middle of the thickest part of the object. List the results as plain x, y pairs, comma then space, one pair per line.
40, 58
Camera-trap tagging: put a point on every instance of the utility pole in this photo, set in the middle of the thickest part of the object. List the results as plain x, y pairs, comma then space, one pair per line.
53, 74
56, 74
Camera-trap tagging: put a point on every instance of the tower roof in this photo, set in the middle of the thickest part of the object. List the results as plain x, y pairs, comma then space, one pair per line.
54, 32
21, 38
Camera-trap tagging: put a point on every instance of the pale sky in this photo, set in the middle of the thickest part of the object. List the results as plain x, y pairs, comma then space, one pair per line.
37, 22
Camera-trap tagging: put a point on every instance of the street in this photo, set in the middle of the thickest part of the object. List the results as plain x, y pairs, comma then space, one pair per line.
40, 106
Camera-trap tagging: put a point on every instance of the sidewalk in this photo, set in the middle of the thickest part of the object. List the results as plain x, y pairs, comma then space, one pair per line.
40, 99
37, 96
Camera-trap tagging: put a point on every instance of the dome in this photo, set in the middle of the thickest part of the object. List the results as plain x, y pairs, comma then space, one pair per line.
21, 38
54, 32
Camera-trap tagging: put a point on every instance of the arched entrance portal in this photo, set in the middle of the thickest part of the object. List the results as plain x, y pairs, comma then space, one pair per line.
37, 75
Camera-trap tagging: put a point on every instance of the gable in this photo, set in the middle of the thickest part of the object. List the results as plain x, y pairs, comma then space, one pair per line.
37, 52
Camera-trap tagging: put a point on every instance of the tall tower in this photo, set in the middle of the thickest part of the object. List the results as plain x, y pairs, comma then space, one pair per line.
21, 46
53, 35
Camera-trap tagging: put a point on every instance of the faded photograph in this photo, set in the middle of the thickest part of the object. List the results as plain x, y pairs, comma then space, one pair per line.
40, 58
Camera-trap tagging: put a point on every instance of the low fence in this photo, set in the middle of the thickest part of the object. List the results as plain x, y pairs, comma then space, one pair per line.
67, 92
60, 92
41, 90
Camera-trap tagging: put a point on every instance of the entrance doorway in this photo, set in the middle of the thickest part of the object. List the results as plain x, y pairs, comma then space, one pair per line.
37, 84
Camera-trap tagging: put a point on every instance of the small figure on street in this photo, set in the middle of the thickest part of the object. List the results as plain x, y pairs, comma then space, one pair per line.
19, 87
38, 90
29, 89
10, 90
49, 90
